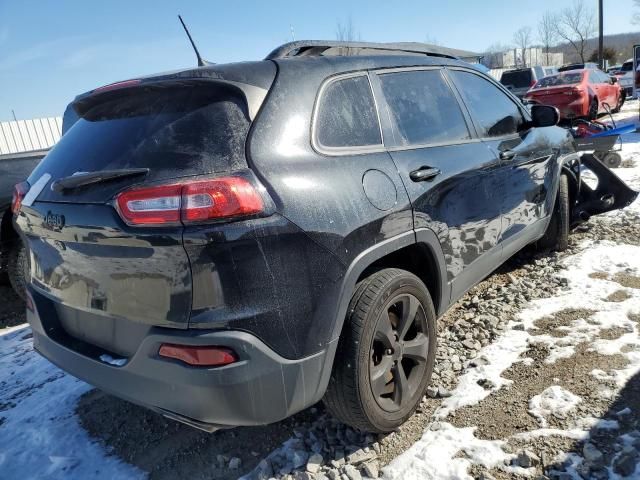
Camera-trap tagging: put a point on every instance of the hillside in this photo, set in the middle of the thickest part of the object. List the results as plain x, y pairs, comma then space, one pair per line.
622, 43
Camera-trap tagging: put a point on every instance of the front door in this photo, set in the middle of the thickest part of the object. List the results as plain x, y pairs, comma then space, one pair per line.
450, 176
524, 155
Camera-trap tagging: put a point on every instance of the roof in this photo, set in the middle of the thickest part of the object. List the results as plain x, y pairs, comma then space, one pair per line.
22, 136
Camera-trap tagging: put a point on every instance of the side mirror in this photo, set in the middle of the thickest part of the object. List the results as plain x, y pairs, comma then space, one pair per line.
544, 115
614, 80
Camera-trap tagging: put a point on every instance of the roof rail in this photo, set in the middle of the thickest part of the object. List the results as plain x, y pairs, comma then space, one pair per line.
305, 48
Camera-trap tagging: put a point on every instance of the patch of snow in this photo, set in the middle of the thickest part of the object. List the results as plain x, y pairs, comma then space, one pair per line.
554, 400
437, 455
583, 291
40, 436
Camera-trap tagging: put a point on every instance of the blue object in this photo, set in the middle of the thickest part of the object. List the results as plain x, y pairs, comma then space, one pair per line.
616, 131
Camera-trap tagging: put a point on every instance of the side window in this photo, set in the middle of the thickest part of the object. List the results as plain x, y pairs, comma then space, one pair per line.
423, 108
346, 115
493, 110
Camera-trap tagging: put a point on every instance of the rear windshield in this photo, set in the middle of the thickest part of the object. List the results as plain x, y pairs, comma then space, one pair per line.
173, 132
562, 79
516, 79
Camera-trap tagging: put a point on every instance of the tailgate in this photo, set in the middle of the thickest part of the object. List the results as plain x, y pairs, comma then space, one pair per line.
107, 283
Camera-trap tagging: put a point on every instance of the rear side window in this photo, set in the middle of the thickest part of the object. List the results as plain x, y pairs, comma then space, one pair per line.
423, 108
517, 78
493, 110
173, 132
346, 116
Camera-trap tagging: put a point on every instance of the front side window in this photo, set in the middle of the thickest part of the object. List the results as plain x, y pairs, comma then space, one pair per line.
346, 116
423, 108
496, 114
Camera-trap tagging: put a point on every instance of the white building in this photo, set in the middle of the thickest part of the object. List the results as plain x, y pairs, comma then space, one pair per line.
534, 56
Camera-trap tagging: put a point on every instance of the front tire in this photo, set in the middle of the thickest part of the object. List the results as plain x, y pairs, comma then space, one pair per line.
557, 234
385, 354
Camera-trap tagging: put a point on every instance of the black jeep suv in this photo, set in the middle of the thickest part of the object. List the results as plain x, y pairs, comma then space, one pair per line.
229, 244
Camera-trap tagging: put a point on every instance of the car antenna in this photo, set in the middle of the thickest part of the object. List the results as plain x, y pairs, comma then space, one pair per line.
201, 61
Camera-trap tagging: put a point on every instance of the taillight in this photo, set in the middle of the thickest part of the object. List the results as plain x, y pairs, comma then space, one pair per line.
201, 356
189, 202
19, 191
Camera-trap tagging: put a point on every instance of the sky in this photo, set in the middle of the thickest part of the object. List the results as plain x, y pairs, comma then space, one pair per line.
51, 51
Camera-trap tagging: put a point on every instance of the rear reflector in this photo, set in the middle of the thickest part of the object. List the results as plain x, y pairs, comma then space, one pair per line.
19, 191
202, 356
189, 202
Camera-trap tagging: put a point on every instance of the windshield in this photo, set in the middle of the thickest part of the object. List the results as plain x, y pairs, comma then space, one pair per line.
562, 79
516, 78
627, 67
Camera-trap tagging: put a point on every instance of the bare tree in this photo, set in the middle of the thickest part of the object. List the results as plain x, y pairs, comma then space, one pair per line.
522, 38
432, 40
346, 32
547, 33
576, 24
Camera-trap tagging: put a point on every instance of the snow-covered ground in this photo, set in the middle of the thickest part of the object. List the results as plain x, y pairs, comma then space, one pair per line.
41, 436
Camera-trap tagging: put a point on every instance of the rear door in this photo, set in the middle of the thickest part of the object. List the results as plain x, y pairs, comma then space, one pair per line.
103, 275
523, 156
449, 174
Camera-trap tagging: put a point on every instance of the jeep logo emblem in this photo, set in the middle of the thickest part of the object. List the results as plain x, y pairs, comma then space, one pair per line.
54, 221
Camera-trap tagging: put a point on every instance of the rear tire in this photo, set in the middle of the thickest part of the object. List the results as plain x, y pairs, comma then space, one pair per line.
385, 353
557, 234
621, 100
18, 268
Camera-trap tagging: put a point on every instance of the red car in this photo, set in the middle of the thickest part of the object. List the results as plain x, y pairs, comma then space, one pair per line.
578, 93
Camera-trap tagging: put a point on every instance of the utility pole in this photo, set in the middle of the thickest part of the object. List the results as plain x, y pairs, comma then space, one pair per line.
14, 115
600, 35
293, 33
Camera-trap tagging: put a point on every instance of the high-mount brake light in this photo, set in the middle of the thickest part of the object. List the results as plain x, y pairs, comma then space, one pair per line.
19, 191
189, 202
116, 85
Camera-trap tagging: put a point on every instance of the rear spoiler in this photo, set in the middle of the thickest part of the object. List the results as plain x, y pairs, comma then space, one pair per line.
253, 95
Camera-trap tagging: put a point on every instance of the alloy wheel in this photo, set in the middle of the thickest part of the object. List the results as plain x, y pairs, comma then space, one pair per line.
399, 351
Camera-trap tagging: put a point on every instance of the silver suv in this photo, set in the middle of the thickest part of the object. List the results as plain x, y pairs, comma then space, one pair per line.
521, 80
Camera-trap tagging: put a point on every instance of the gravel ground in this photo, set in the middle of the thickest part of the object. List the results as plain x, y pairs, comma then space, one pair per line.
312, 444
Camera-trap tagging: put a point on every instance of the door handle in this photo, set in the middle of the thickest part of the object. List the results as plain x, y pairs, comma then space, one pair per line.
424, 173
507, 154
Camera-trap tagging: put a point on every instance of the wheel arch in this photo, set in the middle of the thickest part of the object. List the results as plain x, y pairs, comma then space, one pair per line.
418, 252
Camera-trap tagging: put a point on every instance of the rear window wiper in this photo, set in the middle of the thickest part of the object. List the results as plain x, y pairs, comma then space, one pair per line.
89, 178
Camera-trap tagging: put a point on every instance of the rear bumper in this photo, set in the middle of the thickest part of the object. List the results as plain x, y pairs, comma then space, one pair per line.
262, 387
577, 108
